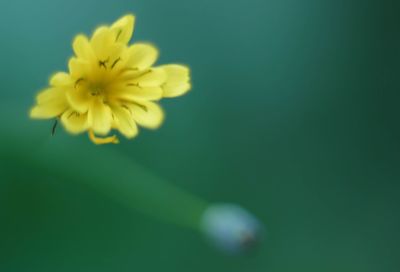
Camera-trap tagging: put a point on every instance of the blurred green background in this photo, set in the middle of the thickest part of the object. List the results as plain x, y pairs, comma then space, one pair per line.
294, 114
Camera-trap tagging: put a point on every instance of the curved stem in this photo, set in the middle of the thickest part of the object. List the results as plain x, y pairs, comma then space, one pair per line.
26, 143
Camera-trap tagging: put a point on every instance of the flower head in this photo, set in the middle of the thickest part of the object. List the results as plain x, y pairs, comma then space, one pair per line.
111, 85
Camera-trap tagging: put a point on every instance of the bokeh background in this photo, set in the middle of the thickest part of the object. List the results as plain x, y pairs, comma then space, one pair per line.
294, 114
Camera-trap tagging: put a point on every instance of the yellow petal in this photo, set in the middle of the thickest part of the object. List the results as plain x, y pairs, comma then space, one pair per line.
141, 56
74, 122
51, 96
134, 93
147, 114
178, 80
51, 103
79, 99
61, 79
125, 123
113, 59
123, 28
150, 78
48, 110
97, 31
99, 117
82, 48
78, 68
101, 41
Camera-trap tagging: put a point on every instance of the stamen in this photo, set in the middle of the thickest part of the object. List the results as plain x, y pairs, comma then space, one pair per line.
115, 62
78, 81
140, 106
145, 72
134, 84
119, 34
132, 69
53, 130
100, 141
77, 114
102, 63
138, 76
128, 70
127, 108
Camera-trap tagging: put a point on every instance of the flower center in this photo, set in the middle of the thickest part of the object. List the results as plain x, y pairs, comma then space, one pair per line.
97, 89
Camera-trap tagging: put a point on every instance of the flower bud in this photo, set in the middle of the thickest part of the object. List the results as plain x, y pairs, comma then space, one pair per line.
231, 228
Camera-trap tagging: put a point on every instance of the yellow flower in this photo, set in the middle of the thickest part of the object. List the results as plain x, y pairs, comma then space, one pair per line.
111, 85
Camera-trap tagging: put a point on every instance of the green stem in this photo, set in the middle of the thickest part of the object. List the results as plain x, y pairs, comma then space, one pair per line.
101, 168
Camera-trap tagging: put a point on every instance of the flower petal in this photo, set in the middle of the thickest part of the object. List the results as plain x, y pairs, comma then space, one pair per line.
48, 110
134, 93
101, 41
123, 28
79, 99
51, 103
82, 48
147, 114
178, 80
61, 79
74, 122
78, 68
150, 78
125, 122
99, 117
51, 95
141, 56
